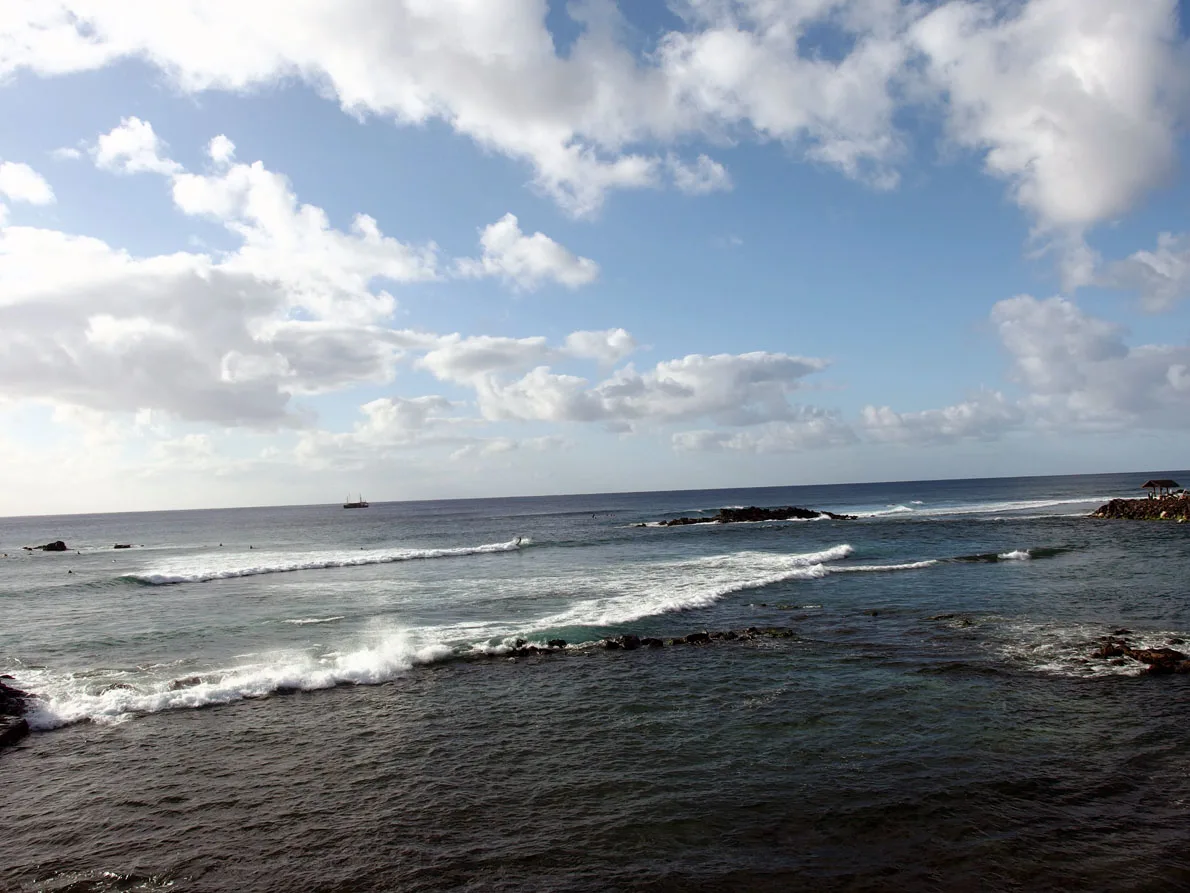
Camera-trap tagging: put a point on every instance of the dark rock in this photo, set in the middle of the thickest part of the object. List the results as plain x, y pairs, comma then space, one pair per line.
1175, 507
55, 546
630, 642
650, 642
557, 643
612, 644
754, 513
13, 704
1159, 661
698, 638
124, 686
12, 729
122, 546
186, 682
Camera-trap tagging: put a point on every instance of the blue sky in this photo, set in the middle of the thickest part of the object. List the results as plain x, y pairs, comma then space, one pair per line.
696, 244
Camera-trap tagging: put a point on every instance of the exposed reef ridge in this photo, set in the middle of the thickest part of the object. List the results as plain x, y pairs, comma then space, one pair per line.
1166, 508
754, 513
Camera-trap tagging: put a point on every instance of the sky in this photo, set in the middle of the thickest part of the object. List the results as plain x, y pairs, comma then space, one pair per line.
282, 251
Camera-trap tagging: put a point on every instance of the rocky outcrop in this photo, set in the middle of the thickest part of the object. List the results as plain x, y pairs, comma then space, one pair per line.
55, 546
753, 513
13, 704
1157, 661
1167, 508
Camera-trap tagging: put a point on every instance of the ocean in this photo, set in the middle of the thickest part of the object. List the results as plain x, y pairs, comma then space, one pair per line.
313, 698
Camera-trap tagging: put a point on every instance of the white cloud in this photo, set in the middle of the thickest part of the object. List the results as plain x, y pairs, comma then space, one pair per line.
987, 417
703, 176
21, 183
1078, 372
1074, 102
607, 347
326, 271
133, 148
744, 389
66, 153
1161, 276
527, 261
814, 429
220, 149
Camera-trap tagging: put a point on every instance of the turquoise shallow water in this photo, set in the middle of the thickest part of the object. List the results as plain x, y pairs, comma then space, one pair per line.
352, 719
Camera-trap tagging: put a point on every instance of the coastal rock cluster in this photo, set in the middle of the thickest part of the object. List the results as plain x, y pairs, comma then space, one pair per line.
55, 546
13, 702
754, 513
1158, 661
631, 642
1166, 508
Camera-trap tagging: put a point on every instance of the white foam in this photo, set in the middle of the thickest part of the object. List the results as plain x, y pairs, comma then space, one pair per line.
1015, 555
891, 510
305, 621
64, 700
217, 567
877, 568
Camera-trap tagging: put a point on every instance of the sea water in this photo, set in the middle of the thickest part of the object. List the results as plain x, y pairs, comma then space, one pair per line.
319, 699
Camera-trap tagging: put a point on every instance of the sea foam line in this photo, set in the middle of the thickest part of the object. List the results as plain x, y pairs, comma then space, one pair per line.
278, 563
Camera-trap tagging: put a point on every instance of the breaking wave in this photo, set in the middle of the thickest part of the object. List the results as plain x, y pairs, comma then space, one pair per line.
278, 562
1016, 554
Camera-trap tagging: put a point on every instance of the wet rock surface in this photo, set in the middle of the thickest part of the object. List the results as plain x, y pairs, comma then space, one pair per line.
1167, 508
1157, 661
13, 704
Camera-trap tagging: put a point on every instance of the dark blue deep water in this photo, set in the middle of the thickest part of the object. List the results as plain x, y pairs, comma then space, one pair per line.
313, 698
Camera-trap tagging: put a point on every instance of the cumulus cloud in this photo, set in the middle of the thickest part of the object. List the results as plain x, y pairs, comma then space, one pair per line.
220, 149
1161, 277
1078, 371
728, 389
527, 261
703, 176
815, 428
986, 417
1073, 102
20, 183
133, 148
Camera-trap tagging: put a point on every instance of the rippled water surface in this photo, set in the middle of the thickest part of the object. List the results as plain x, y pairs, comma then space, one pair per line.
313, 698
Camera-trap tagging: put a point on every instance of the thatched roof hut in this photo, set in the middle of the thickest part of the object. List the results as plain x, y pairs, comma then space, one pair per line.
1159, 487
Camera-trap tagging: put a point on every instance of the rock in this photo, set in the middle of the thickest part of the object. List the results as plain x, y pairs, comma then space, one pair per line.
557, 643
122, 546
698, 639
1175, 507
650, 642
12, 729
612, 644
55, 546
13, 704
1159, 661
186, 682
753, 513
123, 686
630, 642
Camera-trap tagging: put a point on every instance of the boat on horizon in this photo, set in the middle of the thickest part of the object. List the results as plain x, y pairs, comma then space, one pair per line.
355, 505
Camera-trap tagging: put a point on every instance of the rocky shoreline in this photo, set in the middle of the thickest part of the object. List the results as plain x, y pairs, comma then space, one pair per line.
1166, 508
754, 513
